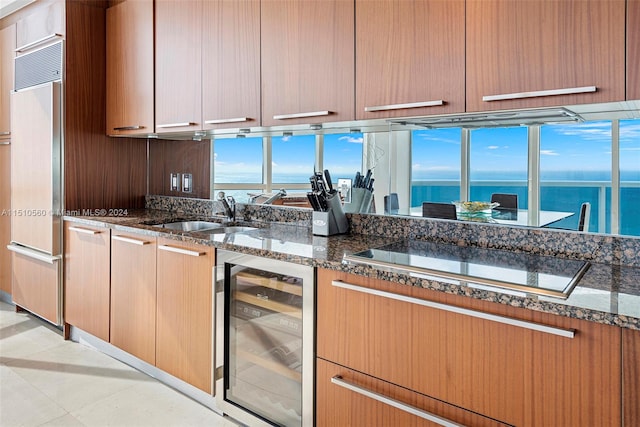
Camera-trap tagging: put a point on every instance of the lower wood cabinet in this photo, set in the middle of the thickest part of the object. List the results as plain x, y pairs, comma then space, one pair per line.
184, 329
86, 278
350, 398
133, 294
631, 377
517, 366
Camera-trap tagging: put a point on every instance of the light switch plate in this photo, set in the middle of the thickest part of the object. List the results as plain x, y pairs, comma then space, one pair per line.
344, 187
174, 182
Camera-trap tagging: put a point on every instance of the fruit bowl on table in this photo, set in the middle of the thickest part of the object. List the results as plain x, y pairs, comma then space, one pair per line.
475, 208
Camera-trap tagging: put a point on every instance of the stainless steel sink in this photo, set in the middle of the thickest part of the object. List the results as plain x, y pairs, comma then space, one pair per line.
190, 225
230, 229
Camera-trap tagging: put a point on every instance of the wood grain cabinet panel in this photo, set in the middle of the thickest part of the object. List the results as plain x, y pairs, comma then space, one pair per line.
133, 294
340, 406
185, 311
178, 62
231, 64
45, 21
7, 48
86, 278
633, 49
409, 52
516, 375
518, 47
5, 218
130, 68
307, 61
631, 376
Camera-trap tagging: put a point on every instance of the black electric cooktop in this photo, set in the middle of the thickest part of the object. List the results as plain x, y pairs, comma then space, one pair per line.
479, 267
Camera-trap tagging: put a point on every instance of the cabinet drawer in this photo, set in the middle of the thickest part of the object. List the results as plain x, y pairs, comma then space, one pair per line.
506, 371
349, 398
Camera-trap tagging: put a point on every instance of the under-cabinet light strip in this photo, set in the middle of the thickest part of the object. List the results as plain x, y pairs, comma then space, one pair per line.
337, 380
568, 333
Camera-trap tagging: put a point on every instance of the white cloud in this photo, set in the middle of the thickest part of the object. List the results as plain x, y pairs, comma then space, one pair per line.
351, 139
493, 147
432, 138
286, 138
548, 153
594, 131
273, 164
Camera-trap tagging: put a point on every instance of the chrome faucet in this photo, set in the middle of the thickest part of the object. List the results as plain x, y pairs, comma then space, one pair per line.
229, 204
280, 194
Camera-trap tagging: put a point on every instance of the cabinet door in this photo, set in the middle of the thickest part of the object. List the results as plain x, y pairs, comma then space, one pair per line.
47, 22
307, 61
7, 48
350, 398
86, 278
521, 49
514, 374
133, 294
5, 218
184, 332
633, 49
231, 64
178, 43
631, 376
410, 57
130, 68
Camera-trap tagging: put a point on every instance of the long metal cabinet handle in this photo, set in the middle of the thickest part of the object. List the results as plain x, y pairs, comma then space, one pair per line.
301, 115
403, 106
337, 380
5, 133
84, 230
135, 127
5, 143
568, 333
33, 254
180, 250
220, 121
534, 94
37, 42
175, 125
130, 240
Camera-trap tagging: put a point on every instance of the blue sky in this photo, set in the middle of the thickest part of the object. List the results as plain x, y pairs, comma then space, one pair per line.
568, 147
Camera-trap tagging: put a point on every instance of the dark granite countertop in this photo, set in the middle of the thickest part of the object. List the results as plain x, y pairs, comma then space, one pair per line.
608, 294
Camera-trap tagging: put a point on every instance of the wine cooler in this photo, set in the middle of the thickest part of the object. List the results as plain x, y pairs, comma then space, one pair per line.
264, 340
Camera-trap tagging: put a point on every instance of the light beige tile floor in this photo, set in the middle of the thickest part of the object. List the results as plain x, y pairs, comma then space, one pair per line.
46, 381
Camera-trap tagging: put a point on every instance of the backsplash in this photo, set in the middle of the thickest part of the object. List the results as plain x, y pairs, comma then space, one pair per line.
599, 248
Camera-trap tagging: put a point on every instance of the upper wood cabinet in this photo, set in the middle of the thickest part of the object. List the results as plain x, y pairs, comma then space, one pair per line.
178, 74
231, 64
7, 48
307, 61
633, 49
130, 68
87, 262
133, 294
410, 57
47, 22
519, 50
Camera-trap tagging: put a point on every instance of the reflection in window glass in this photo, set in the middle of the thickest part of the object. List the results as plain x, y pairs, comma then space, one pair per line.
575, 167
498, 163
237, 160
435, 166
629, 177
293, 159
342, 155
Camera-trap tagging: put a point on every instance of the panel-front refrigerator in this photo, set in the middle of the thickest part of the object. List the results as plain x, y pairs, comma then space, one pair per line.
36, 228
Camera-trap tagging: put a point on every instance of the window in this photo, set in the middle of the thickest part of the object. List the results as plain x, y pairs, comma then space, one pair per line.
498, 163
293, 160
629, 177
575, 167
435, 166
237, 168
342, 155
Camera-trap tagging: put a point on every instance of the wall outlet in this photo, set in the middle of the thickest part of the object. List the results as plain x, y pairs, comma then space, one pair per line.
187, 183
344, 188
174, 182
